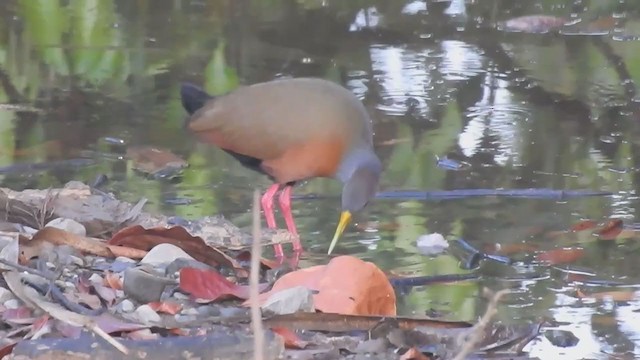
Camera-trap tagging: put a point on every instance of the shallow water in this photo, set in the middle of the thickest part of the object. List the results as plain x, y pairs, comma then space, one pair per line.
522, 110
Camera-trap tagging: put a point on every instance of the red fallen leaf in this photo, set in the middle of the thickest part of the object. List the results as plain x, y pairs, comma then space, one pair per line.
346, 285
145, 239
112, 280
210, 285
560, 256
7, 349
583, 225
167, 307
534, 24
291, 339
611, 229
414, 354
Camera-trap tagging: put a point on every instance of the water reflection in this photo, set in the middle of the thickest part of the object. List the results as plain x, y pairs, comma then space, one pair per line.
523, 111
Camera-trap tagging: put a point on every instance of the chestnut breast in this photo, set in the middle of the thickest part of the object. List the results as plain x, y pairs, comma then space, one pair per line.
300, 128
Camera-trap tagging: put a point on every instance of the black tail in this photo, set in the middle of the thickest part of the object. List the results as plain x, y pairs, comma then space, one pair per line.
193, 97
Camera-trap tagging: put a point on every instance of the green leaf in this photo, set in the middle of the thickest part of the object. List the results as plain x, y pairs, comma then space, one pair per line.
95, 40
46, 22
220, 78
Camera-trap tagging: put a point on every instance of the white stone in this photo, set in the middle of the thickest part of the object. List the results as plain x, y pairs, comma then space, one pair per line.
164, 254
127, 306
12, 304
290, 301
69, 225
147, 315
5, 295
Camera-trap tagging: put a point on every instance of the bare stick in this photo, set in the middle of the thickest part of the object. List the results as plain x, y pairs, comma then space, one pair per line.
256, 249
477, 331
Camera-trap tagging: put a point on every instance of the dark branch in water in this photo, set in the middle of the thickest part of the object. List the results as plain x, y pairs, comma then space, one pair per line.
466, 193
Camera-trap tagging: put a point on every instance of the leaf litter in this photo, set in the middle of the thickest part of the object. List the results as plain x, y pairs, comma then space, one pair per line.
86, 274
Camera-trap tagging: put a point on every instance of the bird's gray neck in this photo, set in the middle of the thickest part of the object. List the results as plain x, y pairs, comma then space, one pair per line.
358, 158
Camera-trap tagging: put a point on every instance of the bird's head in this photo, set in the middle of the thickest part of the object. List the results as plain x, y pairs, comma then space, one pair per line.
359, 187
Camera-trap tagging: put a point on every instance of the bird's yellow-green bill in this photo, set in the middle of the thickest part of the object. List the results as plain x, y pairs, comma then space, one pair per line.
345, 217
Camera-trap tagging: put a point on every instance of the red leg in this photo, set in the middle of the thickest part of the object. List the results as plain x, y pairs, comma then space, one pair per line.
285, 206
267, 207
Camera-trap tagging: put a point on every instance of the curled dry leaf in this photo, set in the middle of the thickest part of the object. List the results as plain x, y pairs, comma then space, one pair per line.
145, 239
561, 256
291, 339
365, 291
55, 236
167, 307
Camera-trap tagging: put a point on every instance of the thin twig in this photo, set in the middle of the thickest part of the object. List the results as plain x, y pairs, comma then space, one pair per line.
256, 316
27, 269
477, 331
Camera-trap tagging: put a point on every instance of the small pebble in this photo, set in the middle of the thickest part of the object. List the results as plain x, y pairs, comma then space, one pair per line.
147, 315
125, 259
185, 318
5, 295
95, 278
190, 311
164, 254
12, 304
76, 260
180, 296
69, 225
205, 310
127, 306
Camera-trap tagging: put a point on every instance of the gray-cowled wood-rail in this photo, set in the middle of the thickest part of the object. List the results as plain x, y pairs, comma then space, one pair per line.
292, 130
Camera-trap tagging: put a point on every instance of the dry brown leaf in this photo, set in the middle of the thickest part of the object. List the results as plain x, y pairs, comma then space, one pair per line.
125, 251
145, 239
346, 285
55, 236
